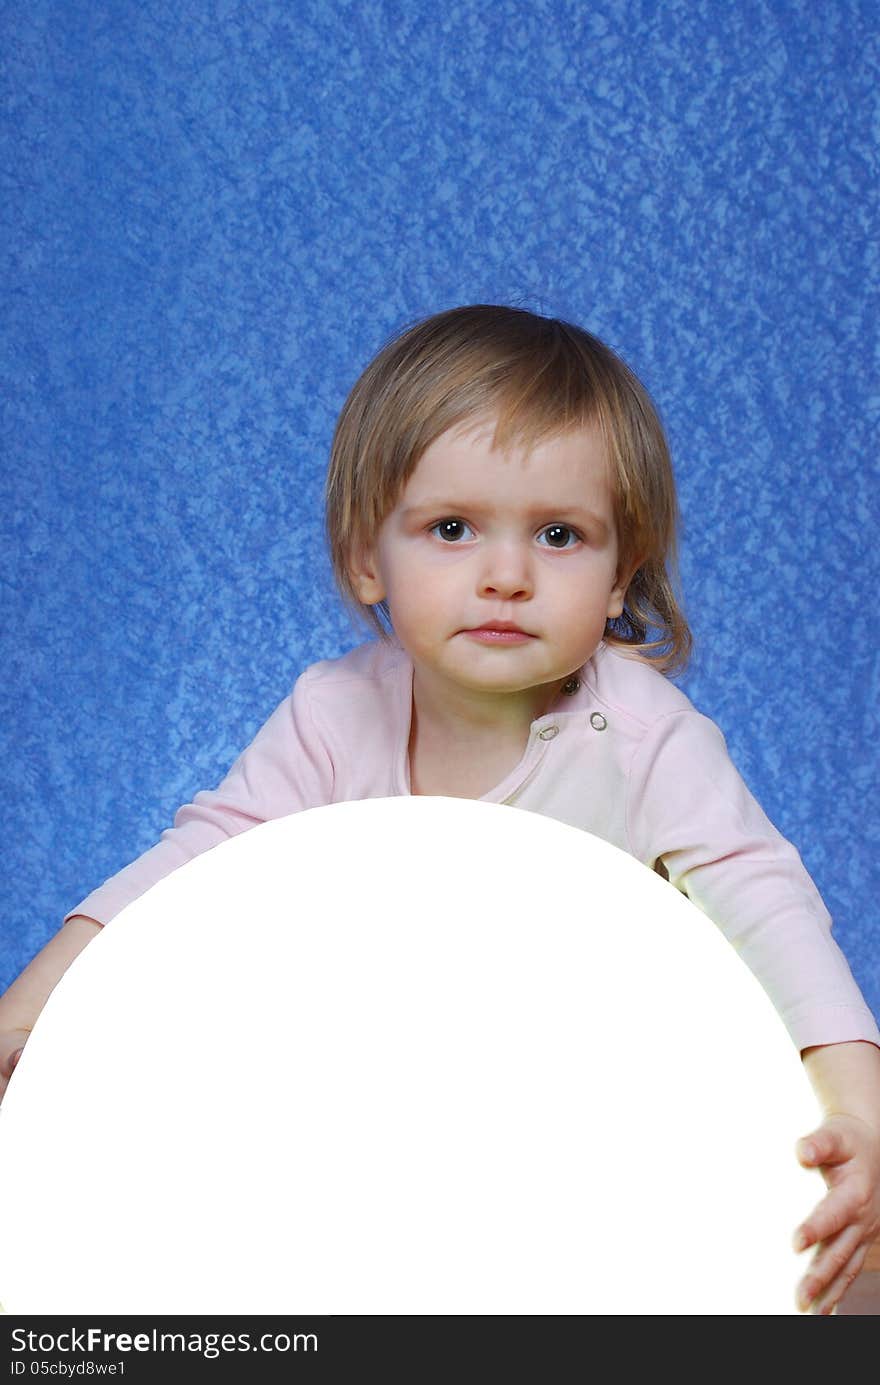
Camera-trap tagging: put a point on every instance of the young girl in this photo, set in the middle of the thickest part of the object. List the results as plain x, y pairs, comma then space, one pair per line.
500, 500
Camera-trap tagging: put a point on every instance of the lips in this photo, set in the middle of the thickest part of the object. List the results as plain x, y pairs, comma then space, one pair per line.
503, 625
498, 632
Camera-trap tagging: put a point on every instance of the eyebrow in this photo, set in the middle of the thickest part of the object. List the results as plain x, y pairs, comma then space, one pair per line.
576, 513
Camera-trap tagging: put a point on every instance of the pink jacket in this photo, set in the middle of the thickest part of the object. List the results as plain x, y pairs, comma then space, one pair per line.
626, 756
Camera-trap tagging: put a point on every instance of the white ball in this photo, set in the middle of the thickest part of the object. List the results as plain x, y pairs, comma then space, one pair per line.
410, 1055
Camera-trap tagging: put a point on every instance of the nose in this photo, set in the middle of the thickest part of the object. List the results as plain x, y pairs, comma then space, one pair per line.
506, 573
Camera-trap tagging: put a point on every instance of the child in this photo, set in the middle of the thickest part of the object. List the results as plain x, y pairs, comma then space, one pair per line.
500, 500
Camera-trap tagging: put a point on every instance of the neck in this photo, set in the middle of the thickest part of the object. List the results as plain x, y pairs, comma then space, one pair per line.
472, 714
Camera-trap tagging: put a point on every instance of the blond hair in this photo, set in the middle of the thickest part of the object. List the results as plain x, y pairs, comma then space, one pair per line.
538, 377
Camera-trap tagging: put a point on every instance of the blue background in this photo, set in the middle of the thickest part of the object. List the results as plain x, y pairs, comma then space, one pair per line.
213, 215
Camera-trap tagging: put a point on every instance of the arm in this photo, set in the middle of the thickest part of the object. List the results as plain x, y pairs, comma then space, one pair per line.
719, 846
285, 769
693, 810
21, 1004
846, 1147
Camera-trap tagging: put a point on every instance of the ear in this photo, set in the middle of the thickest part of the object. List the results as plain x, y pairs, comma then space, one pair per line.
618, 592
366, 577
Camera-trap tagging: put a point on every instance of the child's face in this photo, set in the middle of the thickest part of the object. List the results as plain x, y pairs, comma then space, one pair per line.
480, 538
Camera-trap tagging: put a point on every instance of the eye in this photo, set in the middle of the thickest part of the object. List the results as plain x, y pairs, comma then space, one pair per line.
558, 536
450, 530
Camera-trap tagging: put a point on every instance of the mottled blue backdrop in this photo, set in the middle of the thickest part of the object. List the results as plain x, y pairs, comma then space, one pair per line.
214, 213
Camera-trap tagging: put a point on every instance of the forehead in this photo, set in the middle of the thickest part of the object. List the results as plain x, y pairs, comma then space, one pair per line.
574, 462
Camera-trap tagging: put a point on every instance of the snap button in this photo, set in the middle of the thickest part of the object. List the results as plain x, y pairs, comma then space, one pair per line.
597, 721
571, 687
548, 732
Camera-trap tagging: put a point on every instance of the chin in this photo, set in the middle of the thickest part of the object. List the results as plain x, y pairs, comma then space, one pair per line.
500, 683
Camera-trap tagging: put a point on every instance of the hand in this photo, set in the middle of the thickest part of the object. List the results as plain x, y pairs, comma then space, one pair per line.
846, 1221
12, 1041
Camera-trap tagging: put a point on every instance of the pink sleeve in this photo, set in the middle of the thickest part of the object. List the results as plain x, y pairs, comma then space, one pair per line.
690, 809
285, 769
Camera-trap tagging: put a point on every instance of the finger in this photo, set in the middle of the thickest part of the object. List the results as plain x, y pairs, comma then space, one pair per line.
845, 1205
827, 1300
823, 1146
19, 1038
829, 1261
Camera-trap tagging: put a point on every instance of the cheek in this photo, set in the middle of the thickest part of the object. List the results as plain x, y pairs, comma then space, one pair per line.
582, 606
424, 573
416, 604
583, 585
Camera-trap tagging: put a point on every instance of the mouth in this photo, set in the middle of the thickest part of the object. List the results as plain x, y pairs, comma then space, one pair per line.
498, 632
